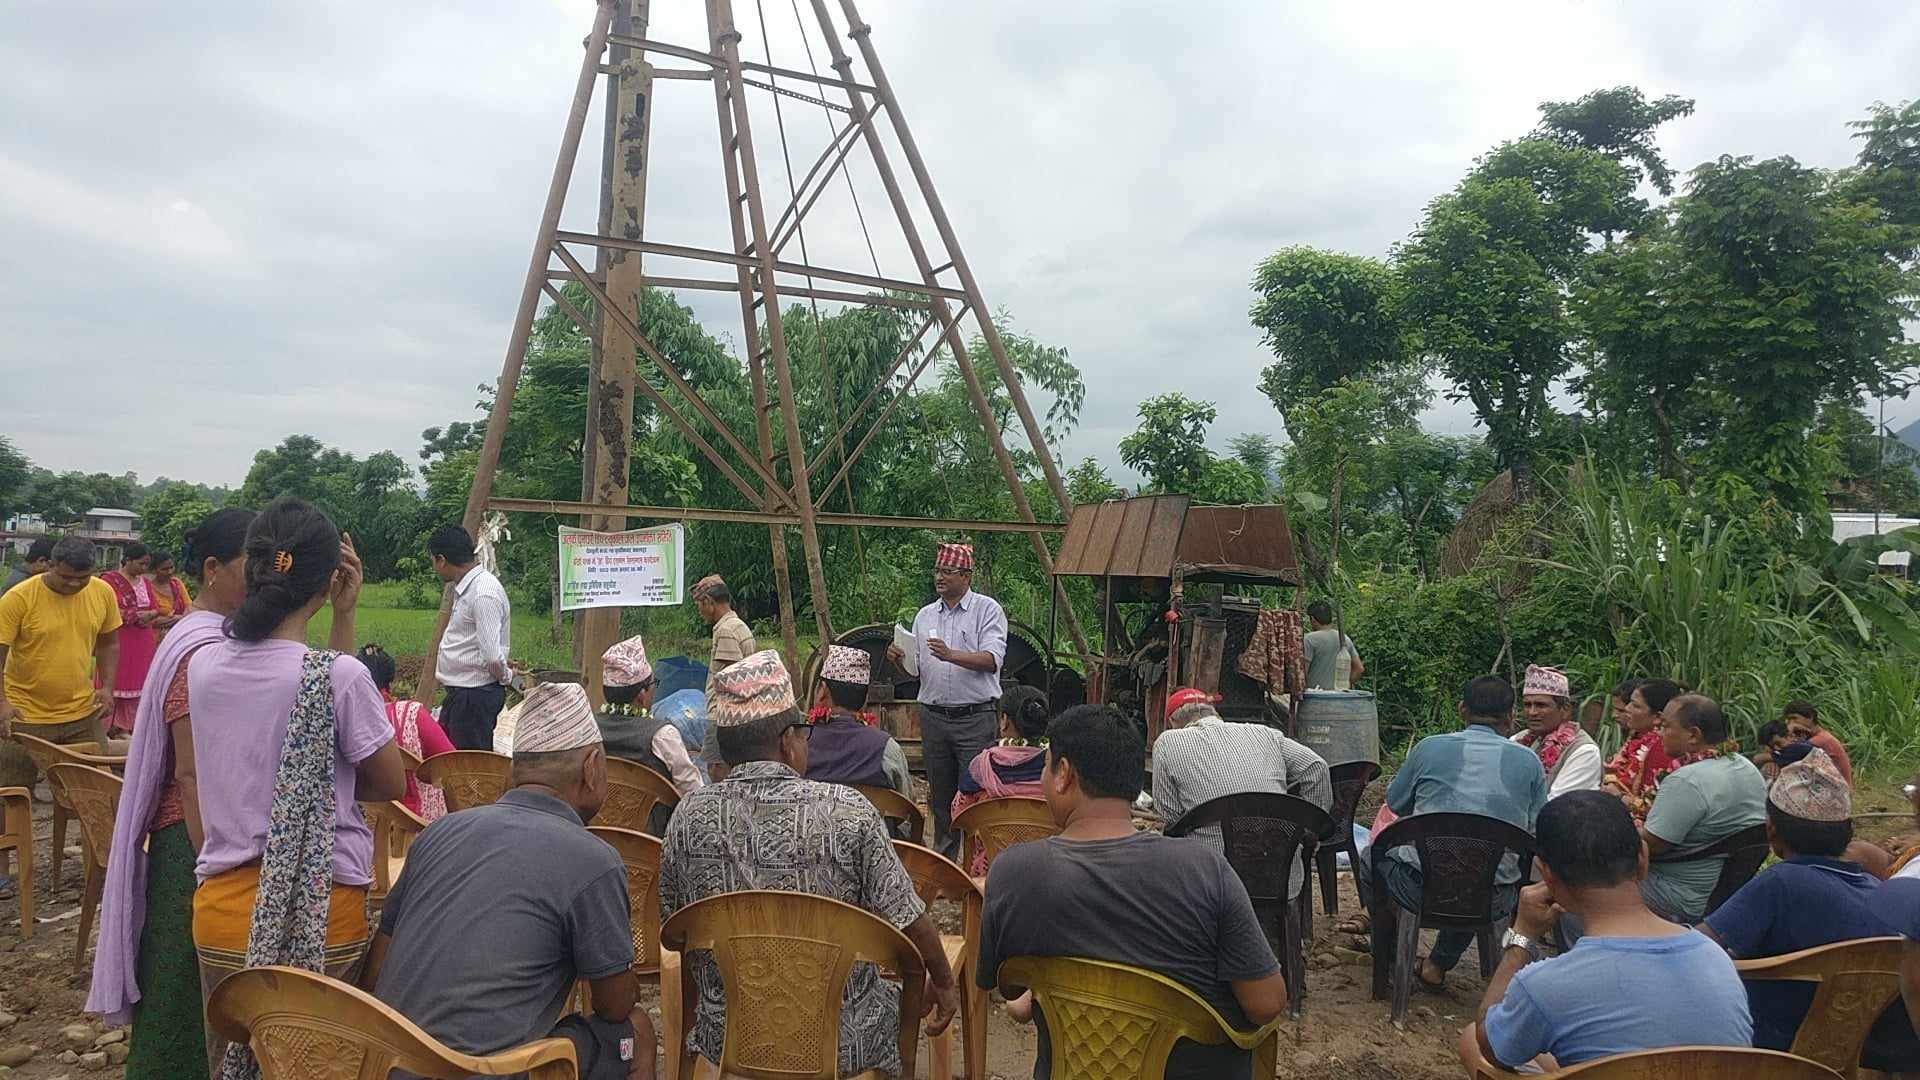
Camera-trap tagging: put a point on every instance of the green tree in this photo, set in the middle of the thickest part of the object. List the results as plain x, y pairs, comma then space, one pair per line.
1869, 470
167, 514
1087, 482
1326, 316
1889, 166
1169, 447
16, 474
1619, 123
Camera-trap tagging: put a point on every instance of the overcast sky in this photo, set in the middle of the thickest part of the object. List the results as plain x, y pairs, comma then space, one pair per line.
225, 222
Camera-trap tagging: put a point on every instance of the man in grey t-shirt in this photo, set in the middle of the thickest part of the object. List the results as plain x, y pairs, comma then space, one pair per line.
1102, 891
1324, 644
1716, 794
502, 909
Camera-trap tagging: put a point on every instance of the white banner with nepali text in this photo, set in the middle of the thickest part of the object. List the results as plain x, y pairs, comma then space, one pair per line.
637, 568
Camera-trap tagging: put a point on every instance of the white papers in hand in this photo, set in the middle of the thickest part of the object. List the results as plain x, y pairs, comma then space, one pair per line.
909, 647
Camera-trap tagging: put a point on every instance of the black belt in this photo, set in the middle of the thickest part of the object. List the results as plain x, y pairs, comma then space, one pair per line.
958, 710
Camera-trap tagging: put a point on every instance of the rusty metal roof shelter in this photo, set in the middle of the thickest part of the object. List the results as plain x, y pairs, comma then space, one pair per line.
1165, 536
1145, 552
860, 120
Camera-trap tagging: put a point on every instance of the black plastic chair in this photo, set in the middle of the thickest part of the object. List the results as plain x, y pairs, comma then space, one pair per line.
1263, 835
1744, 852
1350, 781
1460, 854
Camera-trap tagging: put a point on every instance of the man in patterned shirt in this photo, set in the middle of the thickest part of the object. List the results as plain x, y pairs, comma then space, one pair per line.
1202, 756
763, 827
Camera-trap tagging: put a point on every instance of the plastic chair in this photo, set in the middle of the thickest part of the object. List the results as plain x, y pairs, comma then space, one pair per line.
1264, 835
45, 755
634, 793
94, 795
1459, 856
1113, 1021
1901, 862
1855, 982
468, 778
640, 853
896, 807
1744, 851
784, 958
936, 877
1350, 781
997, 824
1685, 1063
394, 827
16, 844
302, 1025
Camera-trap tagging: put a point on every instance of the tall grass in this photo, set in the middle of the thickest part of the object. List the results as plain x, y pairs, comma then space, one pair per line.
1715, 606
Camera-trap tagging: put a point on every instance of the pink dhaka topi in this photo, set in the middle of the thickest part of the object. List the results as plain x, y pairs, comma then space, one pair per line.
1545, 680
749, 690
846, 664
625, 663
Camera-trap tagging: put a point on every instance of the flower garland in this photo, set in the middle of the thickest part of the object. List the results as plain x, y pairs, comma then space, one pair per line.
819, 714
1554, 745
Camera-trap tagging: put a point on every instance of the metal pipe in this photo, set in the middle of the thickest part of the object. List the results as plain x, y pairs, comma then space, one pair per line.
489, 459
712, 285
681, 251
726, 42
878, 423
950, 326
880, 384
837, 151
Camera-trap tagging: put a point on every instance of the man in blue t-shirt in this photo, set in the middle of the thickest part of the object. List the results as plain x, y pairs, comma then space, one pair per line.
1812, 897
1633, 982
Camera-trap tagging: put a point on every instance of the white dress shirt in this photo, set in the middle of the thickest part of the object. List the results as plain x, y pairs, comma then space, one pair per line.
975, 624
473, 651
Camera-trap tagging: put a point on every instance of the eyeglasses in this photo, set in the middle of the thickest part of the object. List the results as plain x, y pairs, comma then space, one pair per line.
806, 730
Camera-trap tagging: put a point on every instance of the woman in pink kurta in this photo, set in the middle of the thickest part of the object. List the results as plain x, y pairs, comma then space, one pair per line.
138, 632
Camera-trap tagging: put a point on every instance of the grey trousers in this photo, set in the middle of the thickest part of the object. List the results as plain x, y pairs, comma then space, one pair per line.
949, 744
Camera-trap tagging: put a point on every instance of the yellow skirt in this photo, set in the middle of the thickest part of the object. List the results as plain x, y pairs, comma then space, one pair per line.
223, 917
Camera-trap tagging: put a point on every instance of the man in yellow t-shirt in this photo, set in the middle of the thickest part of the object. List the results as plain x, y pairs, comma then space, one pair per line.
56, 633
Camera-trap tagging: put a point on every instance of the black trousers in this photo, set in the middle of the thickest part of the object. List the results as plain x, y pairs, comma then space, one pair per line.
468, 714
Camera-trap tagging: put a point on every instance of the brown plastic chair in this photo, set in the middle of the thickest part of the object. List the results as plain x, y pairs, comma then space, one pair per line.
1114, 1021
1744, 851
45, 755
1350, 781
896, 807
1264, 834
94, 795
640, 854
936, 877
468, 778
16, 844
634, 793
997, 824
394, 827
1459, 857
784, 958
1855, 980
303, 1026
1900, 863
1685, 1063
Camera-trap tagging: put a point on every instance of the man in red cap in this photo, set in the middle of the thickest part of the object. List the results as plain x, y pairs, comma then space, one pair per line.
962, 640
1202, 756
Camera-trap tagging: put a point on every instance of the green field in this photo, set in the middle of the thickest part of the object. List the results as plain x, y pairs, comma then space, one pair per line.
385, 617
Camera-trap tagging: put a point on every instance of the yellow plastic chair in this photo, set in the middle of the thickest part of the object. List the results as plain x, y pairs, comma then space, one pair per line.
303, 1026
45, 755
936, 877
997, 824
784, 958
1120, 1023
633, 793
94, 795
1686, 1063
896, 807
394, 827
16, 846
1855, 982
468, 778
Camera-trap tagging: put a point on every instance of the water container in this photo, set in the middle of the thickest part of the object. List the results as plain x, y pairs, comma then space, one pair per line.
1339, 725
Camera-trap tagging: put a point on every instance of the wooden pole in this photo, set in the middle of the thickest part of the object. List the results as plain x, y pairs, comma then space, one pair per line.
543, 239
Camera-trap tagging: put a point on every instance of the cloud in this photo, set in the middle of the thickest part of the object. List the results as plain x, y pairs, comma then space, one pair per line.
245, 220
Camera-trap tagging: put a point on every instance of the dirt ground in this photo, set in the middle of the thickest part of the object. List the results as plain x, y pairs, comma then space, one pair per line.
1342, 1035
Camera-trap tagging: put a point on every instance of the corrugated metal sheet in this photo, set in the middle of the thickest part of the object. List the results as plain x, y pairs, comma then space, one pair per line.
1148, 536
1123, 538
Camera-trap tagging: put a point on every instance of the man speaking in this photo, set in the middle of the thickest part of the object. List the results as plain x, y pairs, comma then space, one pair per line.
962, 641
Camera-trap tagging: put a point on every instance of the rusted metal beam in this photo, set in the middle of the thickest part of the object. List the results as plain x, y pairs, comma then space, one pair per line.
686, 389
489, 460
681, 251
878, 423
573, 312
685, 53
714, 285
879, 384
836, 150
772, 517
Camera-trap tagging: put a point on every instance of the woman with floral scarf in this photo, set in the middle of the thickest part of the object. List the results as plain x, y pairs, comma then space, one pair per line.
1635, 771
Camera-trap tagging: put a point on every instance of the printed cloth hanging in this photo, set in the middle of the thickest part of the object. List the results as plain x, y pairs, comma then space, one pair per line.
1276, 656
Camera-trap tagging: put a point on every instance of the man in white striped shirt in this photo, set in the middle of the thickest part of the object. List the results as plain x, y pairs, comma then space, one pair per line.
1201, 757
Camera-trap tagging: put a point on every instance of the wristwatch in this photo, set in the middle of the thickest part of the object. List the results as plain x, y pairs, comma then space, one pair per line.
1514, 940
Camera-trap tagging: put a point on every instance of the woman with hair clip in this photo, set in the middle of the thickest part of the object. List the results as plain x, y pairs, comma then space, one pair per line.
139, 617
1013, 767
286, 741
